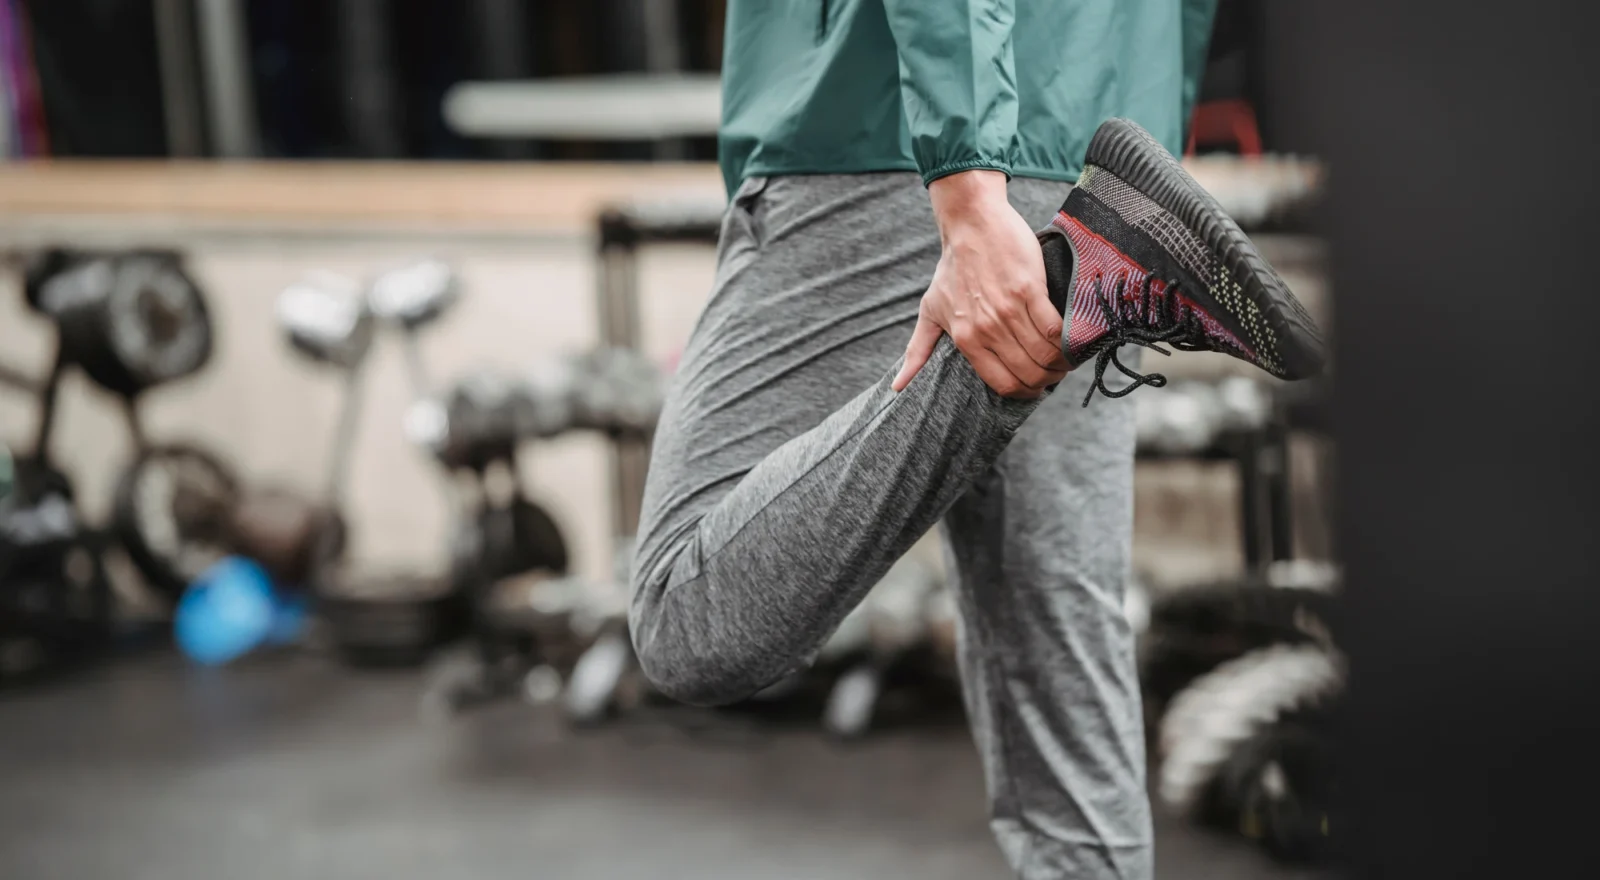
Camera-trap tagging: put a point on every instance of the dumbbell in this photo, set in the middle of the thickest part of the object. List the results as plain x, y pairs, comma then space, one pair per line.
485, 414
287, 534
414, 295
1179, 419
459, 426
1243, 404
615, 389
326, 318
543, 406
1190, 416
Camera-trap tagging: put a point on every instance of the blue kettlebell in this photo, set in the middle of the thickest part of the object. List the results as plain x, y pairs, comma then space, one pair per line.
232, 609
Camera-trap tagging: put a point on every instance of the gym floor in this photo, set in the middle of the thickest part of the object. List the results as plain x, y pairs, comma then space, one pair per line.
293, 767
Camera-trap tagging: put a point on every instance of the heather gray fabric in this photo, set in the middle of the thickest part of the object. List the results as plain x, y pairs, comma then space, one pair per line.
787, 477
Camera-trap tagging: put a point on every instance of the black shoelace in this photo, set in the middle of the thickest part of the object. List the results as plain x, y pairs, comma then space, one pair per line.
1145, 322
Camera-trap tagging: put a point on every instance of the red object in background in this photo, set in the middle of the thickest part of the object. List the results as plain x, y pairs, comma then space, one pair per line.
1231, 121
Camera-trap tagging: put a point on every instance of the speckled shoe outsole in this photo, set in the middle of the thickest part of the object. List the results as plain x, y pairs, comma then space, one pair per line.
1131, 180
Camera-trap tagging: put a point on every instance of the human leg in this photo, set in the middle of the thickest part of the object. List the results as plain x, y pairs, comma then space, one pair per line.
780, 490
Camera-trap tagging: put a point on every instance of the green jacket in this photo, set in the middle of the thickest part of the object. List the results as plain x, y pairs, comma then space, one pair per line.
940, 86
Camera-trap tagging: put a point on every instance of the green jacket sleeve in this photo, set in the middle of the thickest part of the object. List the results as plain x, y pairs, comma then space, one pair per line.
957, 82
1198, 18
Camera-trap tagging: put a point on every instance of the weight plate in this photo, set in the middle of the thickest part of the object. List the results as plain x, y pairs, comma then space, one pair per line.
390, 620
1275, 787
1231, 704
171, 512
1290, 792
160, 329
1192, 630
131, 320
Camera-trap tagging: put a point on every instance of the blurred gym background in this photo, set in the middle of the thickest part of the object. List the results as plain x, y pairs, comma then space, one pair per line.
331, 333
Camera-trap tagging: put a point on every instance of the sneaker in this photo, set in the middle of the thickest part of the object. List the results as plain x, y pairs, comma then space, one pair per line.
1141, 255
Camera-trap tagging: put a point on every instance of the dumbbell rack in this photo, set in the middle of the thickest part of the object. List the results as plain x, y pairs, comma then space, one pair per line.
622, 231
1261, 459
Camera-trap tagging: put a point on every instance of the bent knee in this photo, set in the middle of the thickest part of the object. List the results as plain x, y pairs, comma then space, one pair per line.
692, 648
690, 672
690, 661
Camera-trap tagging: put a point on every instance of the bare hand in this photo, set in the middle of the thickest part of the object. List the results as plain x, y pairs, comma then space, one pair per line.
988, 291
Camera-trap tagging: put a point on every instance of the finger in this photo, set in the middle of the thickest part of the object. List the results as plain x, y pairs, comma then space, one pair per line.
1017, 359
1042, 351
918, 350
1011, 323
994, 373
1046, 350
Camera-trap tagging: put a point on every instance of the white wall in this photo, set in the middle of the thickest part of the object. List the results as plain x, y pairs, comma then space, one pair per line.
273, 414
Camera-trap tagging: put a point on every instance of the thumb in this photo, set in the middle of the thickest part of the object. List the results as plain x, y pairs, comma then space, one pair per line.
917, 351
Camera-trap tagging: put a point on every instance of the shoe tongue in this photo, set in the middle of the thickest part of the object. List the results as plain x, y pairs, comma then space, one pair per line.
1057, 269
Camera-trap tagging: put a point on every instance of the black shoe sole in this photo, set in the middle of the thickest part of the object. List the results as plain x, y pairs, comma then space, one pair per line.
1128, 151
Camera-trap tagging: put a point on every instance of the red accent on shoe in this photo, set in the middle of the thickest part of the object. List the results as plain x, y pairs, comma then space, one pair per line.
1095, 257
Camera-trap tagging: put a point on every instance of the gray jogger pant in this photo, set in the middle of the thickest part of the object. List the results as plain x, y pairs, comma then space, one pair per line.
787, 477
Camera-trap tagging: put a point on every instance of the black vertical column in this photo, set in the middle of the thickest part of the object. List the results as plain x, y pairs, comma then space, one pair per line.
99, 77
371, 77
180, 78
502, 36
643, 36
1462, 221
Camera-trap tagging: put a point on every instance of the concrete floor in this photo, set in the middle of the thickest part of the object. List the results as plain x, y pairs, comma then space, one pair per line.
290, 767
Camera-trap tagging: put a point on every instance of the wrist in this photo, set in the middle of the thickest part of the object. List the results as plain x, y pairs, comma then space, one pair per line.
966, 198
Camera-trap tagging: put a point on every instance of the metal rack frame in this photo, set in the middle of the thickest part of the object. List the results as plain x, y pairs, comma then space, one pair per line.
622, 230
